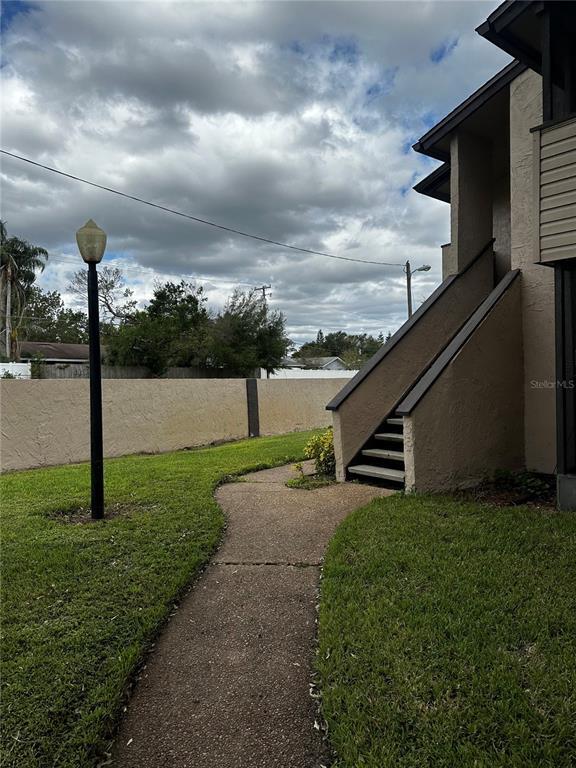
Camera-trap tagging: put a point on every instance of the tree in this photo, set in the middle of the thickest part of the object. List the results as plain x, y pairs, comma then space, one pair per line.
116, 302
19, 262
247, 336
354, 349
171, 331
47, 319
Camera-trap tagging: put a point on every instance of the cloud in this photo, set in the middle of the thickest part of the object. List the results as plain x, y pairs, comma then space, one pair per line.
289, 120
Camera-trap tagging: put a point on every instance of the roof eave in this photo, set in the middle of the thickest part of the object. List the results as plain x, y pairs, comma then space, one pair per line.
427, 144
430, 185
496, 29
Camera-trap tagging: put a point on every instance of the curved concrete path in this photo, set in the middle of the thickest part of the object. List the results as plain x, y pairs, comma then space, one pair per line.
228, 683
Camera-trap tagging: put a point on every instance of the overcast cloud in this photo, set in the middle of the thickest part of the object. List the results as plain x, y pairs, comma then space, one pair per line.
292, 120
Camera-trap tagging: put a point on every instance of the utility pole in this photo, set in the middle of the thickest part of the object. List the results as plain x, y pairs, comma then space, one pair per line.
408, 272
263, 288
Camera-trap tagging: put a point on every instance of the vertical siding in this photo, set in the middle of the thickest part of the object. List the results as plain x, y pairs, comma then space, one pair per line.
557, 192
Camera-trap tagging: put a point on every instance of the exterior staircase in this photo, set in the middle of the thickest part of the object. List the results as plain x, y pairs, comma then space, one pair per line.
382, 457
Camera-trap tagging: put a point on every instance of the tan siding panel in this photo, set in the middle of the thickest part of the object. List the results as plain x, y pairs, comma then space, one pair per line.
559, 148
558, 241
558, 213
556, 154
559, 187
557, 227
559, 160
557, 174
566, 198
557, 254
553, 135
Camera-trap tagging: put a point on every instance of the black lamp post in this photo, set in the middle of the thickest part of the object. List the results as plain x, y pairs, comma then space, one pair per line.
92, 244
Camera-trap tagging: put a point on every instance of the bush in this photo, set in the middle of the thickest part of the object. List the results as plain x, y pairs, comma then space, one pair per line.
321, 449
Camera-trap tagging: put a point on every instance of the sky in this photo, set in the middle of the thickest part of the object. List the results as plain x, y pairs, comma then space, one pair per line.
290, 120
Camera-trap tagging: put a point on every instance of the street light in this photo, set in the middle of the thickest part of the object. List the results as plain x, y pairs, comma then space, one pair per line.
92, 244
409, 272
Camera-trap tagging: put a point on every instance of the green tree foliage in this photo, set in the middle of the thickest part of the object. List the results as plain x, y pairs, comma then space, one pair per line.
247, 336
171, 331
354, 349
19, 263
47, 319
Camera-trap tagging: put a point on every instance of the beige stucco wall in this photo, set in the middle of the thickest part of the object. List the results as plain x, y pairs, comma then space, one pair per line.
287, 405
537, 280
47, 422
501, 208
470, 200
375, 397
469, 424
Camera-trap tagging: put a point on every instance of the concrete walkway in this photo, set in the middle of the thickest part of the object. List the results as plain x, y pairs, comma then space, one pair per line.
228, 683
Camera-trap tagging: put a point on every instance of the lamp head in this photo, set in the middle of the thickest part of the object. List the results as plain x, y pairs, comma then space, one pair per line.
91, 242
423, 268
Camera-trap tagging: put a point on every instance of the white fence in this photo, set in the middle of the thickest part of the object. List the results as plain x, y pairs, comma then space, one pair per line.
301, 373
15, 370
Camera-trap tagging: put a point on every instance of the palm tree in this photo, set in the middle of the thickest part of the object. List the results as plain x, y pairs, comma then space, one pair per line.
19, 262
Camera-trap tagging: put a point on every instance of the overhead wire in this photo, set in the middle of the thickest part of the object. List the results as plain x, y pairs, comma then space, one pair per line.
197, 219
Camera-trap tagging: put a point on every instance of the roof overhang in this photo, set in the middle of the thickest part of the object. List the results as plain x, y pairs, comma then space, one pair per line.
515, 27
436, 142
436, 184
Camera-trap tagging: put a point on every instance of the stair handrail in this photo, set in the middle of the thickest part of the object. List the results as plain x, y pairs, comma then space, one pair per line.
436, 368
386, 348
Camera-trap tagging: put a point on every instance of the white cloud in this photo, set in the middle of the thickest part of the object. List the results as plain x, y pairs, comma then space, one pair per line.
289, 120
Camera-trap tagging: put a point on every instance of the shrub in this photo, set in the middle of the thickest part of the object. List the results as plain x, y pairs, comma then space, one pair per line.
321, 449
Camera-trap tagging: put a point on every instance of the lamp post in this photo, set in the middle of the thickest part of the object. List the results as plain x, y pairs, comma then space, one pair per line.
409, 272
92, 244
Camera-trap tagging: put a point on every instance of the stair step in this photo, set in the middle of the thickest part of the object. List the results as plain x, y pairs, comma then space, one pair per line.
382, 473
389, 436
381, 453
397, 421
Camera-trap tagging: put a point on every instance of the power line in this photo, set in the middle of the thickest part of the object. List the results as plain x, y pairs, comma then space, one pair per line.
196, 218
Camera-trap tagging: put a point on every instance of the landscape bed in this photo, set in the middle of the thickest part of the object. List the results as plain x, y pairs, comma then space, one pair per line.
448, 636
82, 601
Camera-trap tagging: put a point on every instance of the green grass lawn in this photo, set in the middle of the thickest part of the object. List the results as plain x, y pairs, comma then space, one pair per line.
448, 636
81, 603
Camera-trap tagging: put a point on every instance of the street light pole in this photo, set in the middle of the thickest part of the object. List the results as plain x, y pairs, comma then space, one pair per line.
408, 287
96, 449
92, 243
409, 271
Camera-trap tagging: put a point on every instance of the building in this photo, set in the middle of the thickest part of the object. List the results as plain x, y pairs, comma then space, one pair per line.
52, 353
482, 377
315, 363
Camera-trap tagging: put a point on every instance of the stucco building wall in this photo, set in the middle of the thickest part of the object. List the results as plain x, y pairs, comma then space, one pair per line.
375, 397
287, 405
537, 280
501, 208
470, 200
47, 422
470, 423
